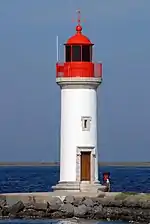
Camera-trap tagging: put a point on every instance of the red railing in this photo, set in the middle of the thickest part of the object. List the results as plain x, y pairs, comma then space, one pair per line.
79, 69
98, 70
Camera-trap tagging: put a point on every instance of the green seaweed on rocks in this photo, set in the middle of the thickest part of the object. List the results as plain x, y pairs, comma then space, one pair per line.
125, 195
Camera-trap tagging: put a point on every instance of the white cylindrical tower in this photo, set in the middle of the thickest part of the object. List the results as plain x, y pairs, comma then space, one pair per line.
78, 78
78, 128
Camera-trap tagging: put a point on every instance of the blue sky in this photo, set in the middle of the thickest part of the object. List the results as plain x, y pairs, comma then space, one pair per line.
30, 98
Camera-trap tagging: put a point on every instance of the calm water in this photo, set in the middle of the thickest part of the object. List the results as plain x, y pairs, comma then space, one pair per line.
27, 179
55, 222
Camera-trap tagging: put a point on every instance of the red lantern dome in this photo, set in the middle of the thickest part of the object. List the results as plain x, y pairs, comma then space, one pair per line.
79, 38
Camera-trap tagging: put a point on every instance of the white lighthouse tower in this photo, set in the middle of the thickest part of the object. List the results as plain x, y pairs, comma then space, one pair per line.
78, 77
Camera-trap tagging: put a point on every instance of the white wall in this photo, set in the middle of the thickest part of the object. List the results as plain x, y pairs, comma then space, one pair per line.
76, 103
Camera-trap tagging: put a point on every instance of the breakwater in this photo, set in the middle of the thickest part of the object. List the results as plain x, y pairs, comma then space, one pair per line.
106, 206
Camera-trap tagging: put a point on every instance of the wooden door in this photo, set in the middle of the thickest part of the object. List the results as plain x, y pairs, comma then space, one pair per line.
85, 166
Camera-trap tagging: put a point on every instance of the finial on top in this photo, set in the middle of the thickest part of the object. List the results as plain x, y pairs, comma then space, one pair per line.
79, 16
79, 27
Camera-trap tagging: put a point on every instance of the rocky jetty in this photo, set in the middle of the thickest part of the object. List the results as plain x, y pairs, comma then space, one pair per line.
124, 206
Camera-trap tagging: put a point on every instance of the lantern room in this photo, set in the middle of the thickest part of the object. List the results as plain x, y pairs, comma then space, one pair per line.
78, 48
78, 59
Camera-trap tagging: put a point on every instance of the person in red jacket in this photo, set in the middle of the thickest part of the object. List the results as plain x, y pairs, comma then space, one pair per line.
106, 181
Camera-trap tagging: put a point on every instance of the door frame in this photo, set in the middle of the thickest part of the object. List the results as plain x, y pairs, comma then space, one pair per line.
92, 151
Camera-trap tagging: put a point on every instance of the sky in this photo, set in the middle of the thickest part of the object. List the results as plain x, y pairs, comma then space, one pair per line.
30, 98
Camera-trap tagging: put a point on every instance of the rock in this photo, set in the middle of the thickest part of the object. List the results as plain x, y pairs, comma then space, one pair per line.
107, 212
5, 212
109, 208
78, 201
80, 211
118, 203
67, 210
19, 206
31, 213
131, 202
48, 214
57, 215
98, 212
41, 214
13, 216
88, 202
69, 199
110, 202
54, 204
114, 203
41, 206
114, 213
1, 212
144, 203
3, 201
98, 209
28, 213
96, 201
101, 195
100, 201
29, 205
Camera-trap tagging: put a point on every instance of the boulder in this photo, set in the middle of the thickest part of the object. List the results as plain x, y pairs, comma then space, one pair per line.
54, 204
80, 211
109, 202
98, 212
115, 203
144, 203
67, 210
5, 211
41, 206
78, 201
88, 202
3, 201
126, 209
57, 215
114, 213
131, 202
41, 214
96, 201
17, 207
107, 212
69, 199
101, 195
1, 213
28, 213
101, 201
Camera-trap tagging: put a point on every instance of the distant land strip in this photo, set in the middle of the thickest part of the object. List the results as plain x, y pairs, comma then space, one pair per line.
36, 164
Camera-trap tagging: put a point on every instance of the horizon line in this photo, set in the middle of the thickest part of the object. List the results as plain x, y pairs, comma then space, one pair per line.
123, 163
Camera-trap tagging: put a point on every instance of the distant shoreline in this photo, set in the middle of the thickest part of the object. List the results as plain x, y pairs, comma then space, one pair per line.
40, 164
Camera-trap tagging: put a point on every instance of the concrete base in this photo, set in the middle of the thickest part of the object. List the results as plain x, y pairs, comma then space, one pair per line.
67, 186
84, 186
44, 197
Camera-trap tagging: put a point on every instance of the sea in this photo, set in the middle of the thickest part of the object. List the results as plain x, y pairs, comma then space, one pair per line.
36, 179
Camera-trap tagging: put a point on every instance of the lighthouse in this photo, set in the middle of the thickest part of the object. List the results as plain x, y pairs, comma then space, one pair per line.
78, 78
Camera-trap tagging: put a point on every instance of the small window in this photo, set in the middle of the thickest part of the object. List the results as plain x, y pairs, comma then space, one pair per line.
68, 53
76, 53
86, 123
86, 53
